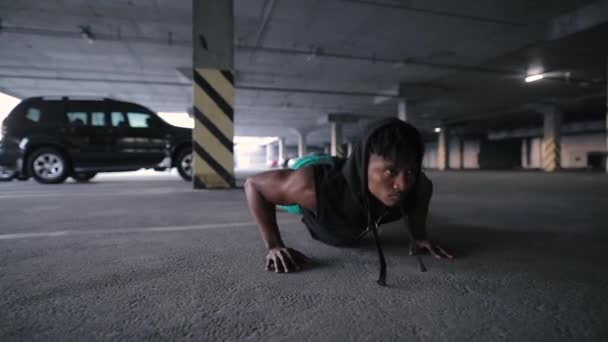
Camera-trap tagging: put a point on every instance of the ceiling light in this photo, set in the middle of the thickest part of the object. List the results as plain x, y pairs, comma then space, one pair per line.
533, 78
437, 130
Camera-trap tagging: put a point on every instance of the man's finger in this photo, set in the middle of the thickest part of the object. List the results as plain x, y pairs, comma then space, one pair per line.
283, 263
431, 250
444, 252
276, 264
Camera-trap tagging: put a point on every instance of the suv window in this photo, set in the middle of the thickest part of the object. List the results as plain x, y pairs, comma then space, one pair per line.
98, 119
42, 113
33, 114
118, 120
139, 120
77, 118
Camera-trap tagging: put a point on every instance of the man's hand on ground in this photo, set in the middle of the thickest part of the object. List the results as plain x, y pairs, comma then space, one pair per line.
434, 249
285, 259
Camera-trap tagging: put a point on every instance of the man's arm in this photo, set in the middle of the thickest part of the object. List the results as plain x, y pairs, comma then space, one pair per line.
281, 187
417, 217
418, 213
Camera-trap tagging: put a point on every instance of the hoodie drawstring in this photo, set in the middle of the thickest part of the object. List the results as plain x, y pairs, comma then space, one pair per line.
374, 228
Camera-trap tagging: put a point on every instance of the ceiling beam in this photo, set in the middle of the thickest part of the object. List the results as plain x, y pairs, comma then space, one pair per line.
187, 84
436, 13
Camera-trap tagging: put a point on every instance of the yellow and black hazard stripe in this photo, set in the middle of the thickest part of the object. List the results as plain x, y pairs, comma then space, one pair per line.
213, 157
551, 154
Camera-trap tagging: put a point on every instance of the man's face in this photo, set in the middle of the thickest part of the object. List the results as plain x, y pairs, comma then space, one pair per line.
386, 182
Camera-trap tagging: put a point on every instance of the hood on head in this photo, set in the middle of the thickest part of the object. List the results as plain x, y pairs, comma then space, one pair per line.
355, 167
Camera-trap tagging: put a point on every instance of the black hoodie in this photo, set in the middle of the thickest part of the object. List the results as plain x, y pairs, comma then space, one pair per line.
344, 210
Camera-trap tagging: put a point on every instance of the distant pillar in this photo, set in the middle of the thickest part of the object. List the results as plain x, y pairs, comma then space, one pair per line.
269, 154
281, 157
460, 153
336, 148
529, 152
405, 113
551, 147
301, 144
402, 109
213, 94
443, 150
524, 153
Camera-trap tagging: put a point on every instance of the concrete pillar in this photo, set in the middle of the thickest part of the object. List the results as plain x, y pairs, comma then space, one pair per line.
454, 152
336, 148
443, 150
527, 160
268, 154
524, 153
551, 148
301, 144
402, 109
213, 94
460, 153
281, 156
405, 113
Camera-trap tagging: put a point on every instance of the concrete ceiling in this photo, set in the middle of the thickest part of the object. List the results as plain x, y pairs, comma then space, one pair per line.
456, 61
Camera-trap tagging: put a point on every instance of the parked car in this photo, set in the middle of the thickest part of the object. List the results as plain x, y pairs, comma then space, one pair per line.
51, 139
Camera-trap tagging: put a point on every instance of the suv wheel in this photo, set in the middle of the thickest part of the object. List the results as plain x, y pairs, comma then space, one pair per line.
48, 166
82, 177
184, 164
6, 174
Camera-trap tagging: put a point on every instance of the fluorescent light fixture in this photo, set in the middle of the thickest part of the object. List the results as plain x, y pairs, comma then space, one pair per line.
437, 130
533, 78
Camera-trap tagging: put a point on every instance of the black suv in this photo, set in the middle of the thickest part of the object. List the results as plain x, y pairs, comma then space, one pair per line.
51, 139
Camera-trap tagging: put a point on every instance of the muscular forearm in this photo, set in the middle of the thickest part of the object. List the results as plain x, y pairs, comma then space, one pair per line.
264, 213
417, 222
418, 213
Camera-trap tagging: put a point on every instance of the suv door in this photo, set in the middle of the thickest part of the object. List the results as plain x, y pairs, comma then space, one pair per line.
139, 138
88, 135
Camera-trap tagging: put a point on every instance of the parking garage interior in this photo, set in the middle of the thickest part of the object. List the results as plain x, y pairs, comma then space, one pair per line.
510, 98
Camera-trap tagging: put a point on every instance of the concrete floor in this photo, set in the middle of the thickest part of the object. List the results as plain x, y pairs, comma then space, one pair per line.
148, 258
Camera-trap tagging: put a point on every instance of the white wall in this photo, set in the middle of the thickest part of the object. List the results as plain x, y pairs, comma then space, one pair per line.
574, 149
471, 154
430, 156
536, 153
7, 103
454, 154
